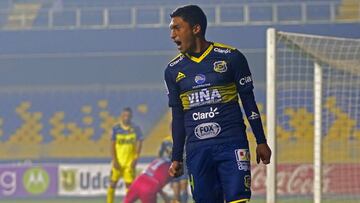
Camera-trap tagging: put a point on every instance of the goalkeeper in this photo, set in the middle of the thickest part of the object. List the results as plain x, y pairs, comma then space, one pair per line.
153, 179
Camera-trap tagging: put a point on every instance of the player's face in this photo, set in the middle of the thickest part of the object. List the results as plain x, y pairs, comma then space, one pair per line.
126, 117
182, 34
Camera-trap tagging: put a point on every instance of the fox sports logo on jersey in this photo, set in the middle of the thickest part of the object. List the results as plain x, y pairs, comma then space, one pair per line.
207, 130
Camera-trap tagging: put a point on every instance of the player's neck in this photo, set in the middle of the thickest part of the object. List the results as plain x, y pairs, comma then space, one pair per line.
125, 126
200, 47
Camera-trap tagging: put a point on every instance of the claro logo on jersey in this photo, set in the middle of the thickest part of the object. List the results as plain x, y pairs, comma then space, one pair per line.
204, 115
207, 130
245, 80
176, 61
222, 51
204, 96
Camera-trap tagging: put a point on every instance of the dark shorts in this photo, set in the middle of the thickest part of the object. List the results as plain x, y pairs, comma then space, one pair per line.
219, 172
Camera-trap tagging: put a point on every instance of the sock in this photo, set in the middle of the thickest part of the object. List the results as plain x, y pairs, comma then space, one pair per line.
110, 195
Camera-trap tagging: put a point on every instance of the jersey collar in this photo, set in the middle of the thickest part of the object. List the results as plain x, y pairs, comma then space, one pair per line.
198, 60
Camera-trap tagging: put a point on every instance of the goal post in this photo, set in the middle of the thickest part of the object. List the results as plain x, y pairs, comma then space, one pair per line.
271, 113
313, 118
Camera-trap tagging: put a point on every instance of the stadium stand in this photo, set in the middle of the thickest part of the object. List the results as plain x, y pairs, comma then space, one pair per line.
117, 67
77, 120
68, 14
349, 10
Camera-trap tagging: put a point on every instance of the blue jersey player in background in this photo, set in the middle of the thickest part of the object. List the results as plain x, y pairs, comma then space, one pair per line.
205, 82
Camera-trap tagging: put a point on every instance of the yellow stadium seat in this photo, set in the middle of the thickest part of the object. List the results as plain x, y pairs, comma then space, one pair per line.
103, 104
86, 109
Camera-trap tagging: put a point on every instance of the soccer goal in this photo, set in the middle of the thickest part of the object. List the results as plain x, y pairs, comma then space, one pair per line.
313, 118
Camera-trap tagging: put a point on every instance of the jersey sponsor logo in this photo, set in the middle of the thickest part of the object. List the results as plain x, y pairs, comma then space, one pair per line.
200, 79
242, 155
222, 51
204, 115
254, 116
201, 86
207, 130
243, 159
125, 140
243, 165
210, 95
180, 76
245, 80
204, 96
220, 66
176, 61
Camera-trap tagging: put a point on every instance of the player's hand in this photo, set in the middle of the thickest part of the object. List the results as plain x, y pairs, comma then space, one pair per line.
116, 165
176, 169
263, 153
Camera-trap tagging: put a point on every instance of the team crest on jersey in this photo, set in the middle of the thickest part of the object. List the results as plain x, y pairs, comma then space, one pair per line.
220, 66
180, 76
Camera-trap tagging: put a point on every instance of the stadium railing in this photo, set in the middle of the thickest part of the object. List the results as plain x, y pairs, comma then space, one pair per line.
234, 14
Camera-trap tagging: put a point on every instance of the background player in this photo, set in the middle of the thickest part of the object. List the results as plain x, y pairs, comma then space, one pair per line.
125, 149
153, 179
203, 83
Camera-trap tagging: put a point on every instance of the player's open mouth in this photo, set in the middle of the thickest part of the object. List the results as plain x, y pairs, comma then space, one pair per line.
178, 44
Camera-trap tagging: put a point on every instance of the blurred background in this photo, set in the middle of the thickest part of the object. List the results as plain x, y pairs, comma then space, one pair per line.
68, 67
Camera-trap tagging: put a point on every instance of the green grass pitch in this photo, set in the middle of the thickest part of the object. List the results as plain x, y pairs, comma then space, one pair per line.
118, 200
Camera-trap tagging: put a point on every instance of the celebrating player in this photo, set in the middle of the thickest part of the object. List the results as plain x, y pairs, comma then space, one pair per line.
153, 179
203, 84
125, 150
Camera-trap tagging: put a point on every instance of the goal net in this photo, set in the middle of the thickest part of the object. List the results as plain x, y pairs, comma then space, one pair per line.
313, 118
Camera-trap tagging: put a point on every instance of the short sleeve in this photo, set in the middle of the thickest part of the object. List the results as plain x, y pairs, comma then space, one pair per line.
172, 90
113, 134
139, 134
243, 78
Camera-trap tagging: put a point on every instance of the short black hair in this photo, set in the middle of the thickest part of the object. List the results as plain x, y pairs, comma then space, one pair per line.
193, 15
127, 109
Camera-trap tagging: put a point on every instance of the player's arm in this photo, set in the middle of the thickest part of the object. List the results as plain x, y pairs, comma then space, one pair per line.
177, 126
113, 151
244, 83
138, 146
